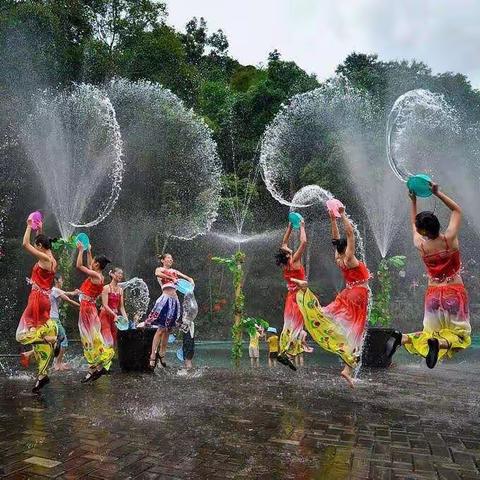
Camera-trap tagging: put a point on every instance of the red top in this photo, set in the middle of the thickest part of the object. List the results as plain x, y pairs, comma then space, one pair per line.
443, 265
298, 273
42, 278
114, 300
90, 289
354, 276
168, 283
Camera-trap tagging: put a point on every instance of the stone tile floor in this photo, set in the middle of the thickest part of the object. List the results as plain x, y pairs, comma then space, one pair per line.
217, 423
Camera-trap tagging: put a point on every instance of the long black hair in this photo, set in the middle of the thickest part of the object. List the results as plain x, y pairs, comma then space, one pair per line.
428, 222
102, 260
340, 244
281, 258
44, 241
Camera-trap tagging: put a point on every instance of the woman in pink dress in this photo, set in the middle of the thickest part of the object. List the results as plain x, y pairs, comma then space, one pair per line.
112, 307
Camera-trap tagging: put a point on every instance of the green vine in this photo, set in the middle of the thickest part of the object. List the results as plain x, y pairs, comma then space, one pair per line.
63, 250
234, 265
380, 312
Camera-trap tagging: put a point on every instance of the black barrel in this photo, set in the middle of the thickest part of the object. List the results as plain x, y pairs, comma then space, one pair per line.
134, 347
373, 354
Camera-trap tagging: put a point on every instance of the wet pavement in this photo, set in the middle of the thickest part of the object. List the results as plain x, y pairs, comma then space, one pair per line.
215, 422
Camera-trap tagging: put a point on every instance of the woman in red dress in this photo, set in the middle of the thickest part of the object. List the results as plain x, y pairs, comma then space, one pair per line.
112, 307
35, 326
446, 321
339, 327
98, 355
293, 271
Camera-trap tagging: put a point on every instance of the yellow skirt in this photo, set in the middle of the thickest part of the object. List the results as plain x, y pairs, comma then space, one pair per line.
330, 335
446, 317
42, 351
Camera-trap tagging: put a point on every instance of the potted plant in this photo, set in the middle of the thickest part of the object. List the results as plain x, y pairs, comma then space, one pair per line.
379, 330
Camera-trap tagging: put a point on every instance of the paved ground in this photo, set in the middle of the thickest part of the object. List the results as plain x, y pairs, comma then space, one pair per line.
404, 423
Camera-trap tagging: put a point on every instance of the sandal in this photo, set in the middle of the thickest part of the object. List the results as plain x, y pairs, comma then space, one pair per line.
433, 349
152, 363
40, 383
161, 359
393, 343
284, 360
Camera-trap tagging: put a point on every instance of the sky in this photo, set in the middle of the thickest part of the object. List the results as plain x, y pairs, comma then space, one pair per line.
319, 34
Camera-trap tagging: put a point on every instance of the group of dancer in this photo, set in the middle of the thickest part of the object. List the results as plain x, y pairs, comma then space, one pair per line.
40, 325
340, 326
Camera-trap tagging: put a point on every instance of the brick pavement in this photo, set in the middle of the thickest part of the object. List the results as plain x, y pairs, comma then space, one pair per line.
264, 424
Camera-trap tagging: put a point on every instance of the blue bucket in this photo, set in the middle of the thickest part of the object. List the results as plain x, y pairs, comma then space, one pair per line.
184, 286
420, 185
122, 323
295, 219
83, 239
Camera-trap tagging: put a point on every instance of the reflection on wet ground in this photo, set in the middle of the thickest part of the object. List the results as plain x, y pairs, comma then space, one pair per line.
407, 422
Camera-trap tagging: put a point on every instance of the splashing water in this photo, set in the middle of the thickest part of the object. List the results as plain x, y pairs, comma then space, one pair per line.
189, 309
325, 134
311, 196
425, 134
181, 194
131, 229
419, 127
137, 297
73, 141
304, 139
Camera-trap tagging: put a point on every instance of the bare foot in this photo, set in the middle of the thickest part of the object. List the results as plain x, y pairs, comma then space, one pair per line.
65, 366
50, 338
346, 375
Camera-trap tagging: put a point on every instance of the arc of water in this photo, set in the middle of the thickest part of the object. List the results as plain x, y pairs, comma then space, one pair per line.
392, 118
116, 174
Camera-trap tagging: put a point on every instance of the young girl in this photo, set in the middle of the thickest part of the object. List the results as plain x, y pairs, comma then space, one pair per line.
166, 311
56, 297
99, 356
35, 327
446, 321
293, 270
339, 327
112, 307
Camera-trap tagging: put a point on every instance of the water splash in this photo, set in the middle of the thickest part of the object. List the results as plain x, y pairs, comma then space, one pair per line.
171, 155
325, 134
426, 134
73, 141
311, 196
418, 129
304, 139
137, 297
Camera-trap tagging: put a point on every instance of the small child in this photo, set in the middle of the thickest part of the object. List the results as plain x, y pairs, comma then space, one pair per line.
253, 347
56, 296
272, 341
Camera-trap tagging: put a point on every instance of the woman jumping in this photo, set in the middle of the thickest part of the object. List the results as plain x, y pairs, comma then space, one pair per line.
98, 355
35, 327
339, 327
446, 321
293, 271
